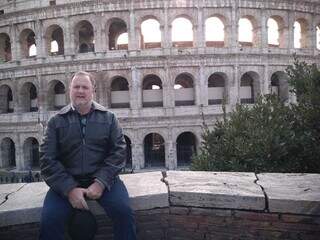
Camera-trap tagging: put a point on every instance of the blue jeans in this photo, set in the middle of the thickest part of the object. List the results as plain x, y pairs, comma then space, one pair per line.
57, 211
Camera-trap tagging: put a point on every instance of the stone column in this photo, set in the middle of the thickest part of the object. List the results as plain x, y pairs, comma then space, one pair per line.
203, 87
42, 95
68, 35
137, 156
199, 34
132, 34
234, 27
14, 40
234, 87
99, 46
20, 163
167, 42
171, 155
291, 31
264, 31
135, 90
16, 96
264, 86
40, 39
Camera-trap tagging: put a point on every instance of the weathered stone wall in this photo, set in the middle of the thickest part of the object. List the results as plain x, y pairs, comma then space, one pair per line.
191, 205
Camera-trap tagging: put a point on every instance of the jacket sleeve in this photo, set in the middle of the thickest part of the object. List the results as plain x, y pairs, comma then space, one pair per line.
52, 170
115, 160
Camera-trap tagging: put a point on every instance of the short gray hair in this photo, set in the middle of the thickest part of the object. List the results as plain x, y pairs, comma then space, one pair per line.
84, 73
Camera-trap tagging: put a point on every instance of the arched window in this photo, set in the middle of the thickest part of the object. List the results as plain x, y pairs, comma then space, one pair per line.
152, 91
28, 95
186, 148
120, 97
216, 89
8, 153
214, 32
245, 32
84, 37
279, 85
184, 90
150, 34
31, 153
273, 32
55, 42
116, 28
154, 150
6, 100
5, 48
300, 33
28, 43
249, 87
182, 32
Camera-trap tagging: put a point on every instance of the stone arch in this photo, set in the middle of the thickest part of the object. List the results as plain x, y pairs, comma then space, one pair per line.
249, 87
5, 48
279, 85
27, 42
280, 31
217, 88
129, 151
31, 153
116, 27
56, 98
215, 23
186, 148
152, 93
251, 39
120, 96
184, 90
84, 36
185, 38
28, 97
154, 150
6, 99
152, 24
54, 36
8, 153
300, 29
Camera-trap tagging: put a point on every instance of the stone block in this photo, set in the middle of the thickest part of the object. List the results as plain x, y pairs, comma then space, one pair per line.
292, 193
215, 190
24, 205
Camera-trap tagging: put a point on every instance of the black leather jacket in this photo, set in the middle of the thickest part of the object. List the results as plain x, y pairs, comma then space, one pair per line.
66, 155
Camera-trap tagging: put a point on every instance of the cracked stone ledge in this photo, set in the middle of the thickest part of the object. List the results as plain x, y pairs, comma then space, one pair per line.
274, 193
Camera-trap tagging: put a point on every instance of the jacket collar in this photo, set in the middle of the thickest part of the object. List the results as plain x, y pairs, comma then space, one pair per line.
95, 106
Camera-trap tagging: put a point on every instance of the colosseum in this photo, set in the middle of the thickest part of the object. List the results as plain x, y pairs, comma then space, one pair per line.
163, 83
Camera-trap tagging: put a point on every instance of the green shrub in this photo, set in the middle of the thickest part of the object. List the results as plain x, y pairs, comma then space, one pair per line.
269, 136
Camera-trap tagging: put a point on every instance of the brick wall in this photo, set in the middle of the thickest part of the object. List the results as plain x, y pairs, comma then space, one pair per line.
184, 223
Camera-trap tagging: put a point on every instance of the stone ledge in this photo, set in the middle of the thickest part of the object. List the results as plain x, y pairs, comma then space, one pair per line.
146, 191
297, 193
230, 190
286, 193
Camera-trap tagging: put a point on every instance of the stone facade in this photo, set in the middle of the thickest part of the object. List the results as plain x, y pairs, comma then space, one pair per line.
162, 126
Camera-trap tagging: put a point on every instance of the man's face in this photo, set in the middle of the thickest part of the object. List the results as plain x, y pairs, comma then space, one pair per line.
81, 91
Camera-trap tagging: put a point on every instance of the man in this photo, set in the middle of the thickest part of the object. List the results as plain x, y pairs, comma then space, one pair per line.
82, 153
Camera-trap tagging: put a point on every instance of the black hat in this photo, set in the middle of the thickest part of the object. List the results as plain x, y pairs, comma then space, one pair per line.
82, 225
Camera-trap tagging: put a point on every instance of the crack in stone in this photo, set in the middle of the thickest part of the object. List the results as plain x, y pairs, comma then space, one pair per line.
163, 179
266, 199
6, 198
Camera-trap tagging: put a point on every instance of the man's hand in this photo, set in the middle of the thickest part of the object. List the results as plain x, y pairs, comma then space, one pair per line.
76, 198
94, 191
